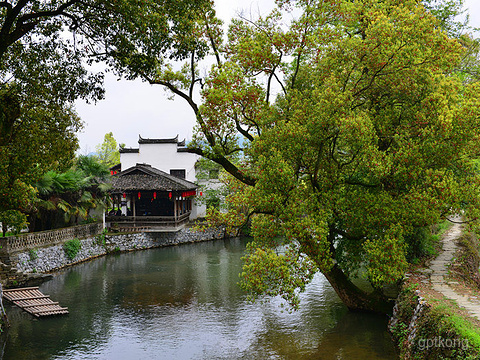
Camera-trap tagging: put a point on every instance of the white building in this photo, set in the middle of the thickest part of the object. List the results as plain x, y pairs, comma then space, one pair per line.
169, 156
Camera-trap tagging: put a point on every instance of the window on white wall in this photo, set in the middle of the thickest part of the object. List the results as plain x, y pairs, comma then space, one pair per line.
180, 173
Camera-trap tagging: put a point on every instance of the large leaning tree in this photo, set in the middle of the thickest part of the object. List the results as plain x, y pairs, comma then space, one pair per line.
356, 125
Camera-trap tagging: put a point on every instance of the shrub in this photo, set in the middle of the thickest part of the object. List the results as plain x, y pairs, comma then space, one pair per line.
33, 253
100, 238
71, 248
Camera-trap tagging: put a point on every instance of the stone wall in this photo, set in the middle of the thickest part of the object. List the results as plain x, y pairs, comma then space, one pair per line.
46, 259
22, 242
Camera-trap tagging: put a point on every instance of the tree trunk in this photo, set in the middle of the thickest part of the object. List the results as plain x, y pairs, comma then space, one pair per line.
355, 298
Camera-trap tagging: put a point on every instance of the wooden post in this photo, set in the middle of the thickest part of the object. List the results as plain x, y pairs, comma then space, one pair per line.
134, 210
175, 206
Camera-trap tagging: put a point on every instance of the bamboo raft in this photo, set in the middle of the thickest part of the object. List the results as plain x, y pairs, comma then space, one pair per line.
34, 302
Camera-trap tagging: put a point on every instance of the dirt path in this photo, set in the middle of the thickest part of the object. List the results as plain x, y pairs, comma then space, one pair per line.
439, 274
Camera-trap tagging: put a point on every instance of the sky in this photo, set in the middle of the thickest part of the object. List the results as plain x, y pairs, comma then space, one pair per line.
133, 108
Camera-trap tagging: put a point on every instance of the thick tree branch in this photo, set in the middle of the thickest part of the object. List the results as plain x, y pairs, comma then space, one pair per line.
241, 130
227, 165
192, 71
10, 33
43, 14
212, 43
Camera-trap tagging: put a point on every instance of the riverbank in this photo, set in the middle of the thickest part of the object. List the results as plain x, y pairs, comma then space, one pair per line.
31, 266
434, 316
184, 302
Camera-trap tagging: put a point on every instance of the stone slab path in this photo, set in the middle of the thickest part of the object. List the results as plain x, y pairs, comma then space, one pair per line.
439, 271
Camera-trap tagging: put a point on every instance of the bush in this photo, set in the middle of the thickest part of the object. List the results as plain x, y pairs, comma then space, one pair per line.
33, 253
424, 242
71, 248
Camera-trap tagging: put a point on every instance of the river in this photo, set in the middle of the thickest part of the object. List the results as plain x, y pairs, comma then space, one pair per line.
184, 303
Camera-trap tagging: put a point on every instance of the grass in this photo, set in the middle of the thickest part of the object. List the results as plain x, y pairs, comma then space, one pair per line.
7, 234
442, 318
465, 268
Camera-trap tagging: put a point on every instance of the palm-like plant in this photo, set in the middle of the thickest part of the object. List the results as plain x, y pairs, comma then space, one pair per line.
74, 193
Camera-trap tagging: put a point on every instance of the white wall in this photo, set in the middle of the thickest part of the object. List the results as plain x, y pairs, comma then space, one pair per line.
129, 160
163, 157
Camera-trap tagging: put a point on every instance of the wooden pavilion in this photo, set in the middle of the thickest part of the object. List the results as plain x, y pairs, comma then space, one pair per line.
146, 197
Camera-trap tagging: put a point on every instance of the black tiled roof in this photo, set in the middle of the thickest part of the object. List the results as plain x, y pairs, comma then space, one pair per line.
144, 177
161, 141
128, 150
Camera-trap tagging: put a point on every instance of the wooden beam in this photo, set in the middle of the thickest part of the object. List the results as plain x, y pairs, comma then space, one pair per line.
31, 298
21, 289
33, 305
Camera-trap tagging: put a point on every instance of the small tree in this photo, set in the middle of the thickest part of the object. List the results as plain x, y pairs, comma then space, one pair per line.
107, 152
13, 220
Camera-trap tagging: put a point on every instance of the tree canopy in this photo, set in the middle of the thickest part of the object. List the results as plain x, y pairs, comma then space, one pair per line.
356, 127
41, 74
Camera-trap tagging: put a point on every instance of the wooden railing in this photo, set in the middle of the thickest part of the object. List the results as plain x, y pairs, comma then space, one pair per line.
27, 241
145, 222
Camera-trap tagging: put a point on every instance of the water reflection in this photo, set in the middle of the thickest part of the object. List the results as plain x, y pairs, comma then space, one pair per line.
184, 303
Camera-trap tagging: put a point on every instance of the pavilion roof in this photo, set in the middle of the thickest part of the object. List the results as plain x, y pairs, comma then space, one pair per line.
145, 177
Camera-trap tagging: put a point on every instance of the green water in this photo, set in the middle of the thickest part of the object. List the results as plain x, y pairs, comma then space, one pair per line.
184, 303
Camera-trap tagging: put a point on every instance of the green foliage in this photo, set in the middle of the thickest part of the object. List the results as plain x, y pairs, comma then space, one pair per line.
107, 152
439, 320
13, 220
467, 261
100, 239
33, 253
348, 160
268, 272
71, 248
72, 193
143, 35
386, 257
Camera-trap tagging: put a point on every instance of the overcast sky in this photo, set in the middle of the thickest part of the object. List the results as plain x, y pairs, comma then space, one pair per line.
131, 108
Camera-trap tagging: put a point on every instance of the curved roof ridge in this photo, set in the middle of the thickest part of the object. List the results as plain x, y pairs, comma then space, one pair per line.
157, 141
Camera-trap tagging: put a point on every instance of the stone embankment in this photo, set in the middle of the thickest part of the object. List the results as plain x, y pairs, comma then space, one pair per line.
27, 265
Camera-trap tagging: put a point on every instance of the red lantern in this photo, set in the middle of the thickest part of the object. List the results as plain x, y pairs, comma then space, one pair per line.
124, 195
111, 172
170, 195
154, 194
139, 195
201, 194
